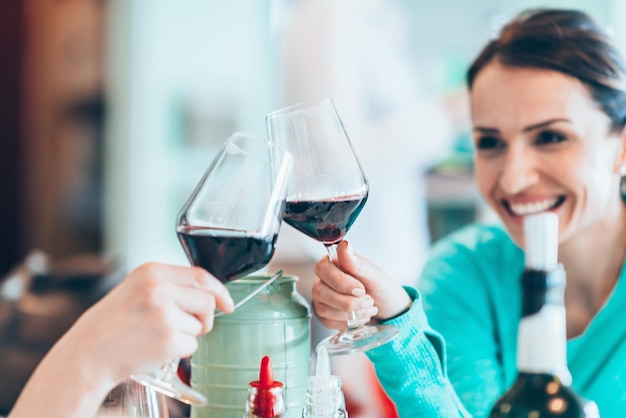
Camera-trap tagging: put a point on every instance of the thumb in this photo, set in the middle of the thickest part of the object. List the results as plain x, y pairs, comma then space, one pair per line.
359, 267
389, 296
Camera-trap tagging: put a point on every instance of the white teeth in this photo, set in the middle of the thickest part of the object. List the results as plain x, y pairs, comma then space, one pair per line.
534, 207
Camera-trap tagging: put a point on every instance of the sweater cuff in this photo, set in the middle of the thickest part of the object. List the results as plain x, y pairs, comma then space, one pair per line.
412, 326
413, 318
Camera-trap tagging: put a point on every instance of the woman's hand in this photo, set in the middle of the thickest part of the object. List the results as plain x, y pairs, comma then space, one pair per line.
355, 283
152, 316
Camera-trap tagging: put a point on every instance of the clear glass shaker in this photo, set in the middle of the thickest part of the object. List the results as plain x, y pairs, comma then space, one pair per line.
132, 399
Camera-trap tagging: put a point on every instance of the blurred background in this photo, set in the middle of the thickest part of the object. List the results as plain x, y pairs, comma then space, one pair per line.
111, 110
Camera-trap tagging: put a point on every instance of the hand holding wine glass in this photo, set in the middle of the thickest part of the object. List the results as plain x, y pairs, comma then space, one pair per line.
229, 227
337, 283
327, 191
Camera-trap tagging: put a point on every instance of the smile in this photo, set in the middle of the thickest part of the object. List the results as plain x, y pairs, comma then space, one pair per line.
523, 209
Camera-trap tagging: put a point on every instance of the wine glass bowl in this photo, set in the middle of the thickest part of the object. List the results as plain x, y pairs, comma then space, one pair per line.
230, 223
327, 189
228, 226
326, 193
327, 220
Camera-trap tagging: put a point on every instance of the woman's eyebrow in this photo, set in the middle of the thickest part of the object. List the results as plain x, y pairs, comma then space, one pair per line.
544, 124
488, 130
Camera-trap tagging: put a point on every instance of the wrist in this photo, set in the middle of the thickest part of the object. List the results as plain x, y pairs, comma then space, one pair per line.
401, 304
90, 375
65, 384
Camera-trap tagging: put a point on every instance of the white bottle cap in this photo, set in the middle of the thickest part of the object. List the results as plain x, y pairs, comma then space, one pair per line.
542, 241
322, 367
324, 389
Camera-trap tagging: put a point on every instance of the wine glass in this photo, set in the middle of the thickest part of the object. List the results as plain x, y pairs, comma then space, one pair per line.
326, 193
229, 226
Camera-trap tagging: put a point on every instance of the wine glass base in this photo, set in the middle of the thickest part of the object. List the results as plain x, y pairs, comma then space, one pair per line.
359, 339
174, 389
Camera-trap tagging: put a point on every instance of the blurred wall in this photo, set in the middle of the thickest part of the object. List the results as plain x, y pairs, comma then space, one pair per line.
11, 43
51, 112
182, 76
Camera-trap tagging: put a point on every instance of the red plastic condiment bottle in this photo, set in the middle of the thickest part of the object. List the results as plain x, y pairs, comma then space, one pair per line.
266, 397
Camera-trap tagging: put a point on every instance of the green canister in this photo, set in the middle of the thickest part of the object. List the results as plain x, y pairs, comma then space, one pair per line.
275, 323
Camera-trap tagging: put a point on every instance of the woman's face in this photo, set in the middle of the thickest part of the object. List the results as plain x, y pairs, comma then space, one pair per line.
543, 144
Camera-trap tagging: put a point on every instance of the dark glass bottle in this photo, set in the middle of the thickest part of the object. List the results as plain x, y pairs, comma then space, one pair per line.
542, 387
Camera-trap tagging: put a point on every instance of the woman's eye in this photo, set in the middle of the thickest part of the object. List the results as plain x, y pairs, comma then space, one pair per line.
489, 143
550, 137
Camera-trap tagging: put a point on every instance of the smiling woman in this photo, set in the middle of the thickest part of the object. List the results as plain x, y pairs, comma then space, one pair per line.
548, 99
553, 148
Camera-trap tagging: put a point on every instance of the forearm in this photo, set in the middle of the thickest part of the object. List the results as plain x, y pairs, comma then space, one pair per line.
411, 369
64, 385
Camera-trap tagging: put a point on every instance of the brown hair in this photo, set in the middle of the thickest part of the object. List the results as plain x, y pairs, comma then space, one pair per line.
567, 41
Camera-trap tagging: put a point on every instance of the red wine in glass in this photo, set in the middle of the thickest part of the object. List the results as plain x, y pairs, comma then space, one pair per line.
326, 193
228, 226
326, 221
226, 254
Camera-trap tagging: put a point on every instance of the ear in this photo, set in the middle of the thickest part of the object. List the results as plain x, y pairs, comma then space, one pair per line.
621, 153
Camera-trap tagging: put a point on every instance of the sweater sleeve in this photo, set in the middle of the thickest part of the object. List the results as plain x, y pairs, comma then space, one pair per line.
412, 368
470, 294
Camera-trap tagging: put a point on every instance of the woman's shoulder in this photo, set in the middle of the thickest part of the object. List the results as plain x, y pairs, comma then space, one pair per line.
480, 250
477, 236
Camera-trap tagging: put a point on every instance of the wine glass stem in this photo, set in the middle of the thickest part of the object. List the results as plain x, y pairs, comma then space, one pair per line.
170, 368
332, 251
353, 321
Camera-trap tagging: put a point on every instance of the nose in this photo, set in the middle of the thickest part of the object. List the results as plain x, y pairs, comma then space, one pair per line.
519, 170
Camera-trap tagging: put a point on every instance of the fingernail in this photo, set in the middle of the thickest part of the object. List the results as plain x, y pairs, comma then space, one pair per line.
350, 250
201, 280
358, 292
368, 302
372, 311
231, 304
353, 256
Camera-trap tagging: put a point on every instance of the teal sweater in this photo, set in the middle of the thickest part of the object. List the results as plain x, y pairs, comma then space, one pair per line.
470, 292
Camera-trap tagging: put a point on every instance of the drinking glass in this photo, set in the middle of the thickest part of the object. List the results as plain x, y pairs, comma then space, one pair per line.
326, 193
229, 226
132, 399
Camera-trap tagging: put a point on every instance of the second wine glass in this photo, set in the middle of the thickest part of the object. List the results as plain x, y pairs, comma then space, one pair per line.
327, 191
229, 226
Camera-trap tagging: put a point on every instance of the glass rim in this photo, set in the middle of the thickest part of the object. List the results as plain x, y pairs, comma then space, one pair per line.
259, 278
299, 107
232, 139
